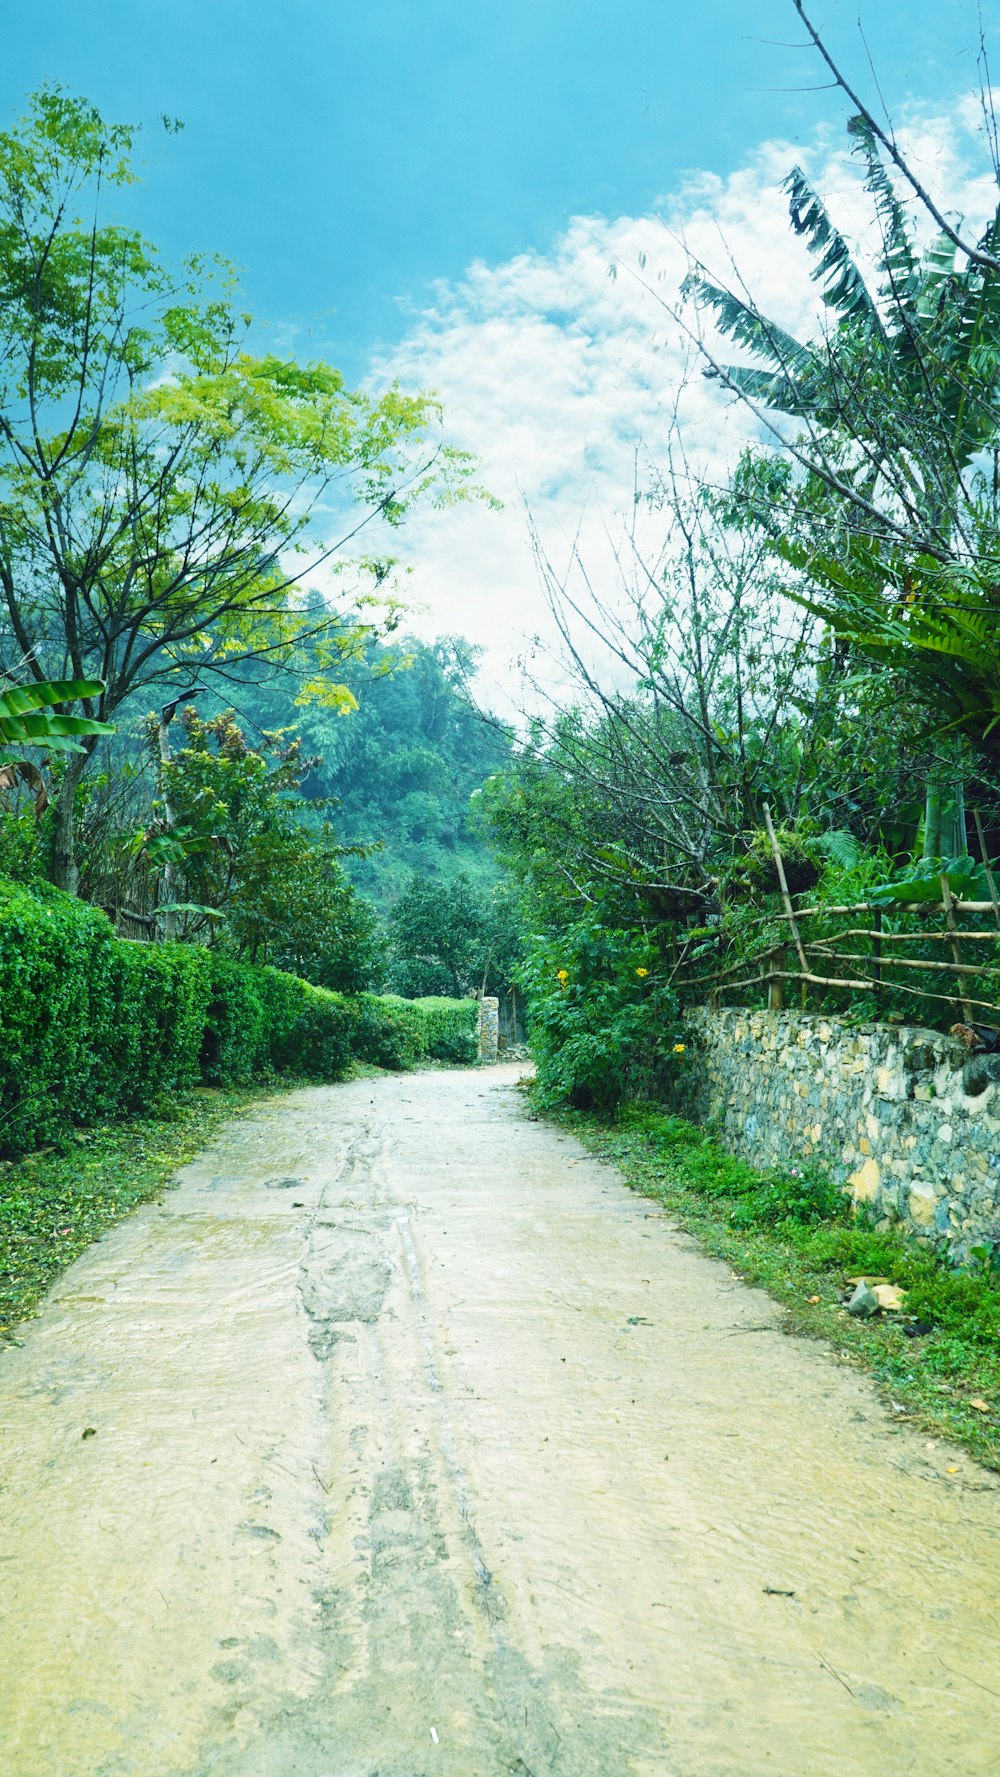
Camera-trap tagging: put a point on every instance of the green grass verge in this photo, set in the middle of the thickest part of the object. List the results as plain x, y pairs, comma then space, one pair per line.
796, 1237
53, 1203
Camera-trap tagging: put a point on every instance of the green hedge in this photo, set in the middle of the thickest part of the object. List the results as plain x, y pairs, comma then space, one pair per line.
93, 1025
452, 1028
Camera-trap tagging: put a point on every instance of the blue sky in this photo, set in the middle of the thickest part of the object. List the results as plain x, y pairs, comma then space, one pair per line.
434, 190
348, 154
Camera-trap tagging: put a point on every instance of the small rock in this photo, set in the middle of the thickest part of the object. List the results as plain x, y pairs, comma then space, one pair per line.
864, 1302
889, 1298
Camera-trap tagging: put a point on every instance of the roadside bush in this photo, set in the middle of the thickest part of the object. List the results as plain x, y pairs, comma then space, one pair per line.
390, 1032
57, 993
234, 1044
452, 1029
320, 1043
602, 1021
94, 1025
162, 994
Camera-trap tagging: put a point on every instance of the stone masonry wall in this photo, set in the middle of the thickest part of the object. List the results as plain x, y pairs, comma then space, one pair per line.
904, 1116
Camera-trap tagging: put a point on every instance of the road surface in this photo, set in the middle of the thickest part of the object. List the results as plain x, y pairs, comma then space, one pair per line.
401, 1440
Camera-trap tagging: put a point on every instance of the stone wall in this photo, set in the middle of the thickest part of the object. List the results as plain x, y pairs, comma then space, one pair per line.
904, 1116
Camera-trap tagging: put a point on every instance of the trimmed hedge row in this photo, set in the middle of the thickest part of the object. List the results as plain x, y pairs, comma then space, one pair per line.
92, 1025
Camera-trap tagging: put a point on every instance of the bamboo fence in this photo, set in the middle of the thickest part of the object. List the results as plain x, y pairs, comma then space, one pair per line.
867, 955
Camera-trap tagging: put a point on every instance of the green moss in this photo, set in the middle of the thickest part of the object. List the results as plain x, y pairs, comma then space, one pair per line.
780, 1232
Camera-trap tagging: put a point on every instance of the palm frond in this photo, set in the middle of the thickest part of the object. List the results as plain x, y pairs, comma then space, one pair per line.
750, 328
844, 288
899, 260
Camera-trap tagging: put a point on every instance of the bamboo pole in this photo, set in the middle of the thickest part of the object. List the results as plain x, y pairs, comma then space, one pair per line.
785, 896
986, 867
956, 953
775, 989
899, 962
908, 937
920, 993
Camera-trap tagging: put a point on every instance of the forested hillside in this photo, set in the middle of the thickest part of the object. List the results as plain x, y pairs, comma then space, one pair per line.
397, 771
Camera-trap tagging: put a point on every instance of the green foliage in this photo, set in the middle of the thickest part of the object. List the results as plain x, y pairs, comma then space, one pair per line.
803, 1195
966, 879
452, 1029
399, 1033
891, 521
601, 1016
57, 988
258, 877
94, 1026
400, 769
453, 938
28, 717
391, 1032
162, 994
188, 473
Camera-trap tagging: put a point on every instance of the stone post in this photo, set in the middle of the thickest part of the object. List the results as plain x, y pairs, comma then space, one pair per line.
489, 1028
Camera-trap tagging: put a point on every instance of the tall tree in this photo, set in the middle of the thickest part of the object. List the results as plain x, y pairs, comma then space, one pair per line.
159, 482
889, 508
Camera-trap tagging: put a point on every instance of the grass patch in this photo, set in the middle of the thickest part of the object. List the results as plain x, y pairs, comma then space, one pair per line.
53, 1203
796, 1236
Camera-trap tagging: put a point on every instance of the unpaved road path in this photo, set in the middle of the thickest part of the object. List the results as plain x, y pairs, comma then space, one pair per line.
421, 1446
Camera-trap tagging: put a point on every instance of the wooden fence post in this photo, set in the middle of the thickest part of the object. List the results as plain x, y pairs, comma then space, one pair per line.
785, 896
776, 988
956, 954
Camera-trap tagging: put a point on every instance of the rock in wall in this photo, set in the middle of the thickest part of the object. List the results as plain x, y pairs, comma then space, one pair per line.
905, 1117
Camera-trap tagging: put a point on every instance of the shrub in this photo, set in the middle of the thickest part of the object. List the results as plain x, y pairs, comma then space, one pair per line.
390, 1032
235, 1044
94, 1025
59, 1015
602, 1018
162, 995
320, 1042
452, 1029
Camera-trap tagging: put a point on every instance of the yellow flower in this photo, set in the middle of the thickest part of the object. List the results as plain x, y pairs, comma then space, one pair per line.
678, 1048
642, 973
563, 976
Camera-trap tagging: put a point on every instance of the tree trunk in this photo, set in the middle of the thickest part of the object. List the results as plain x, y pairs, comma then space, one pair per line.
168, 881
64, 872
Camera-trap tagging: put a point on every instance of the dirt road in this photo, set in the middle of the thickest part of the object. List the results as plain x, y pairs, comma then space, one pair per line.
401, 1439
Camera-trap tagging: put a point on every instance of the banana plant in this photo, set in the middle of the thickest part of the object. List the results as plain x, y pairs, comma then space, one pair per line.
894, 533
29, 718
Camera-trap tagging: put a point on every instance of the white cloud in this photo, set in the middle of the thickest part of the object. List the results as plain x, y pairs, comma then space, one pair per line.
555, 373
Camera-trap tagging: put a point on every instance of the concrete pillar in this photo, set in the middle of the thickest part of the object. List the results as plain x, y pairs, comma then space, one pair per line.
489, 1028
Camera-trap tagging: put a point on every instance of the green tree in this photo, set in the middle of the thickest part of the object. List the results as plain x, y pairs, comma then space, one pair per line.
453, 938
158, 479
259, 878
887, 507
403, 768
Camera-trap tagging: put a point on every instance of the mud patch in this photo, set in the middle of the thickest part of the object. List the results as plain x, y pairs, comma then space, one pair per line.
343, 1282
